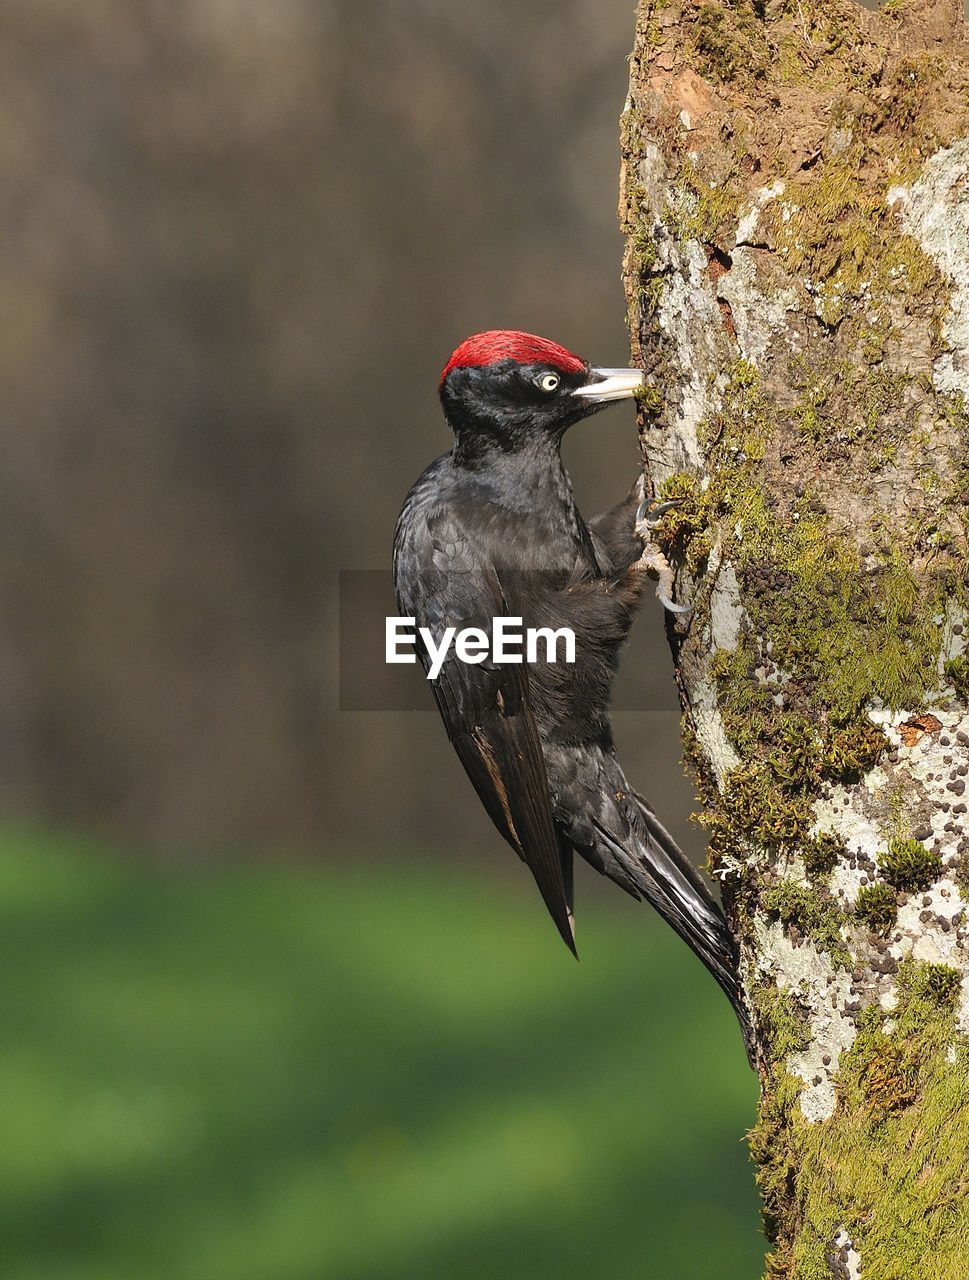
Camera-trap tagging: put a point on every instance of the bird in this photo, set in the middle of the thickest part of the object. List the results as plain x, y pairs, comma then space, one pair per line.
491, 529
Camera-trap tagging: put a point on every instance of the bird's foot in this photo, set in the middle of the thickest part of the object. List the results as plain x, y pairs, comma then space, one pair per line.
654, 561
649, 516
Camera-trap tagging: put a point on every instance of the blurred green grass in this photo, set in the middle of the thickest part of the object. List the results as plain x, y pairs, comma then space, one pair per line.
293, 1074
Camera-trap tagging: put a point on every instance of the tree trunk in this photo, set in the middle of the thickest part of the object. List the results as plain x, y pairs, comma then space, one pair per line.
796, 200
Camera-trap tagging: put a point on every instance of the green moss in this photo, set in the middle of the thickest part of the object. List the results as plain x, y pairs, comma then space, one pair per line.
729, 41
652, 32
889, 1079
957, 673
646, 281
795, 751
737, 432
852, 636
822, 853
753, 810
876, 906
746, 706
888, 1167
852, 750
851, 633
837, 227
690, 514
907, 864
962, 877
783, 1028
780, 1019
644, 264
709, 193
702, 208
684, 530
816, 49
649, 400
935, 984
812, 911
718, 54
643, 242
717, 207
854, 402
767, 802
773, 1148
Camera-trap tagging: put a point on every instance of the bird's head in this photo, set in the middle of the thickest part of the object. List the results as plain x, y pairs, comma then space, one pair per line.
512, 389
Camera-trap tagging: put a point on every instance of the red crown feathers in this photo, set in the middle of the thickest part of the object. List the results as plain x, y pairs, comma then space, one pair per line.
510, 344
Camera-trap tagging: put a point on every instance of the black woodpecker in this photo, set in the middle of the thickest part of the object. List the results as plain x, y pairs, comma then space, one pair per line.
491, 529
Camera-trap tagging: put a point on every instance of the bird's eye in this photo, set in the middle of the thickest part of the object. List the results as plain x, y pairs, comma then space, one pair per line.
549, 382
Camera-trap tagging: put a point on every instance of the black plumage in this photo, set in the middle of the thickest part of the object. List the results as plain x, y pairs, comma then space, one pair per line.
491, 529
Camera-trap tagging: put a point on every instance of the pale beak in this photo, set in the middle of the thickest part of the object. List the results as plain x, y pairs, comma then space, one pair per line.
611, 384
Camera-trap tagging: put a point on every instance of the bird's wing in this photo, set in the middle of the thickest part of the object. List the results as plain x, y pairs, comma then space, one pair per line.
486, 711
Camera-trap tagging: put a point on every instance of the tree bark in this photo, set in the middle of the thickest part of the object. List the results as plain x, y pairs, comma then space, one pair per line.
795, 196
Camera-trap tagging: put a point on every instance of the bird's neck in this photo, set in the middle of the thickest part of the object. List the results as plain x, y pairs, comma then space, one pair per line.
532, 472
528, 511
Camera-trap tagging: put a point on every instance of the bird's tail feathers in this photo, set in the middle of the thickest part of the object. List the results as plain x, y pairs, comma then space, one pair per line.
669, 881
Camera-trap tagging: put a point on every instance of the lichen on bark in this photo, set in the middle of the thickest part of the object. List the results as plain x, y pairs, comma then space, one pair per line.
794, 194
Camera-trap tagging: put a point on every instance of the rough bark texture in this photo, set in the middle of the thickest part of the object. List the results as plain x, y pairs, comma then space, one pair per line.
796, 200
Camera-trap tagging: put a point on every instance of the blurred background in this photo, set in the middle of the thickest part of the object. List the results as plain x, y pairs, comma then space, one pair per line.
279, 1002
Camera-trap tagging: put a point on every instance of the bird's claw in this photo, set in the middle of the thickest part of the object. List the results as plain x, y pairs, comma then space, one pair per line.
650, 512
670, 606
